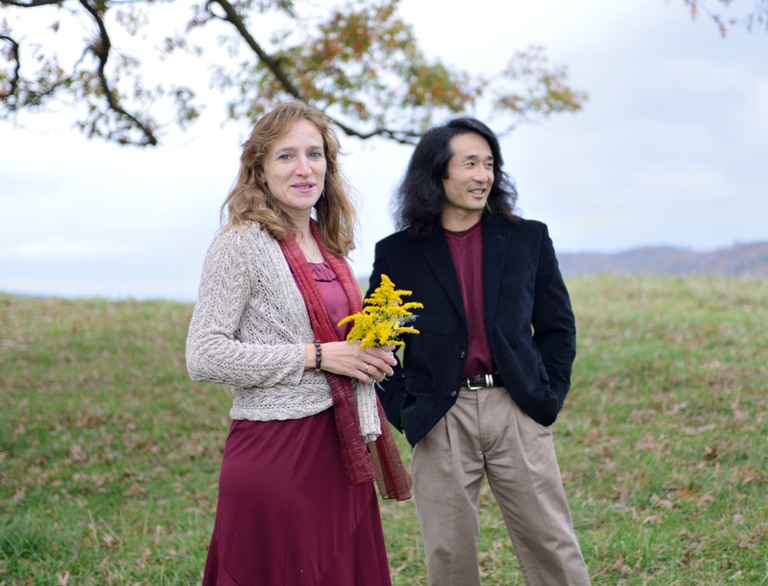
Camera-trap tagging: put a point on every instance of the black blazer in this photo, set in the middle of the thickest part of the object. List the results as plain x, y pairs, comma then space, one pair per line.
528, 317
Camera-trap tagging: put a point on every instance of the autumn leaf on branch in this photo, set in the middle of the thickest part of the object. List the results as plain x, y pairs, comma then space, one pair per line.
132, 71
755, 19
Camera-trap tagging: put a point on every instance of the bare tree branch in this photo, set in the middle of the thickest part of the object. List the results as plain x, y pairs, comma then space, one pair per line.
235, 20
400, 136
231, 16
362, 66
15, 56
31, 3
101, 49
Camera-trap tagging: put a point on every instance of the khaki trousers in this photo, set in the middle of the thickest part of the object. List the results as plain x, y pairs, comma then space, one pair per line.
485, 432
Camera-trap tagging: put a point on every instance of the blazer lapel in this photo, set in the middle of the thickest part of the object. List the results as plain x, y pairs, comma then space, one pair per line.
436, 251
495, 247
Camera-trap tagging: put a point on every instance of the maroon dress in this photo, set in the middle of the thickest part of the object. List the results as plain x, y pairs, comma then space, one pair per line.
286, 514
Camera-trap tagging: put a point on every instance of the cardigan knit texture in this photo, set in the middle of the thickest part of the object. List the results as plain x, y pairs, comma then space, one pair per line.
249, 329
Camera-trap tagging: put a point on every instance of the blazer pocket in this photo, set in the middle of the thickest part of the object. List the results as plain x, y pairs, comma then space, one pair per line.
416, 385
524, 360
543, 371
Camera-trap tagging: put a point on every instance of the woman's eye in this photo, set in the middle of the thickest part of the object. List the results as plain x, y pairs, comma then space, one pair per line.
316, 155
283, 157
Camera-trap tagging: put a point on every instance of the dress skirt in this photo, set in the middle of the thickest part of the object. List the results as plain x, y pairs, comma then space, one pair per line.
288, 516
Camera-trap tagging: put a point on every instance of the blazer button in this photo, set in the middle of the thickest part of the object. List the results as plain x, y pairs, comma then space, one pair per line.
453, 393
463, 354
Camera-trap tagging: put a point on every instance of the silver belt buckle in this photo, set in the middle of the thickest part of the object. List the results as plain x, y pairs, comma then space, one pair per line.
471, 387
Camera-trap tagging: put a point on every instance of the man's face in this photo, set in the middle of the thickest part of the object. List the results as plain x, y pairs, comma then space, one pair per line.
470, 176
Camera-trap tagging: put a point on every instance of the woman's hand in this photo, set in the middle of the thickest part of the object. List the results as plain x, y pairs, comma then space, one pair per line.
349, 359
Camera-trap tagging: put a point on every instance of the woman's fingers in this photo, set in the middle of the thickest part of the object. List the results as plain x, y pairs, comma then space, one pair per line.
378, 369
365, 364
381, 359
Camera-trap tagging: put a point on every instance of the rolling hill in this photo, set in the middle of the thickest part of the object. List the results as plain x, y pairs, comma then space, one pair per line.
740, 260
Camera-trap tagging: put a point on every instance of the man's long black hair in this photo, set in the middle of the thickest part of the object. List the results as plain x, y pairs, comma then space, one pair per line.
420, 197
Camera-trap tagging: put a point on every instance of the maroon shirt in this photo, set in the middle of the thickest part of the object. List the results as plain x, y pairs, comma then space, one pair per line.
467, 253
336, 302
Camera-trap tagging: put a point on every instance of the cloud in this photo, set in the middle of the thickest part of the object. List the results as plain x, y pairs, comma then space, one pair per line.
668, 151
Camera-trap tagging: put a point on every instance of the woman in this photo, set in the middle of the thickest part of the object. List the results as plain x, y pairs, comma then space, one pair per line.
296, 498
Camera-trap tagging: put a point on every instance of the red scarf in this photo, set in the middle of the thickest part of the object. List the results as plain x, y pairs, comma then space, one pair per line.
383, 462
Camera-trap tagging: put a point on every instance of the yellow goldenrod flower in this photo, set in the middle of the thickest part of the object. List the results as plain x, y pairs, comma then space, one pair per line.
383, 318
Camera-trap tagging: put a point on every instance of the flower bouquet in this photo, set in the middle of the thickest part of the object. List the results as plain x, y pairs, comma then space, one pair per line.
384, 318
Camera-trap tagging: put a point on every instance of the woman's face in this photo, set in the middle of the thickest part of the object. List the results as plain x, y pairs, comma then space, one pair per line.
294, 169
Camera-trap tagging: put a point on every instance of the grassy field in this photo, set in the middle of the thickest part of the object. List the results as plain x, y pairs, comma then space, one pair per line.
109, 455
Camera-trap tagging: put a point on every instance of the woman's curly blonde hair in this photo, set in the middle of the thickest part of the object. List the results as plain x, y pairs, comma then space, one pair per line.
250, 199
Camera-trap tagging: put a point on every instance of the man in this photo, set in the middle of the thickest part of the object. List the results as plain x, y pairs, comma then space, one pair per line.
487, 375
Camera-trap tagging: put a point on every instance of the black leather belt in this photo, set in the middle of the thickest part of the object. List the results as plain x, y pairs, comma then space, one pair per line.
481, 381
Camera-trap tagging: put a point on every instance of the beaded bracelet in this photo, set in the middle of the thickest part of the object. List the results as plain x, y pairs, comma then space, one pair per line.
318, 356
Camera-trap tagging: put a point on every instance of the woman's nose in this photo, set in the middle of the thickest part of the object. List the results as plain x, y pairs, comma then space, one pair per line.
302, 166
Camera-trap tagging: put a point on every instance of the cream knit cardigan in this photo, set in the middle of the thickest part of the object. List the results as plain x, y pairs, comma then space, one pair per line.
249, 329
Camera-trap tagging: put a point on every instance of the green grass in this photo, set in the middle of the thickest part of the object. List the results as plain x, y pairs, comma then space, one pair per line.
109, 455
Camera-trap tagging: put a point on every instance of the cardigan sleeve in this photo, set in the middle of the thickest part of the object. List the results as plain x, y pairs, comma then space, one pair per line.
216, 350
367, 411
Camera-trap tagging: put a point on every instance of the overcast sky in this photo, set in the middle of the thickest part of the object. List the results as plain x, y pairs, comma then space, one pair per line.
670, 149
